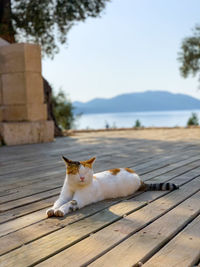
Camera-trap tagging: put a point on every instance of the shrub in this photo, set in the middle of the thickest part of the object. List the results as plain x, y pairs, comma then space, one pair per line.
107, 126
137, 124
193, 120
63, 110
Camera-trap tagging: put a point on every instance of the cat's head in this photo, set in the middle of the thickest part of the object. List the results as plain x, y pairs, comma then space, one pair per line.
80, 173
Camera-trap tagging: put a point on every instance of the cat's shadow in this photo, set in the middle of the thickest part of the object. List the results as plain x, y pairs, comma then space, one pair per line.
108, 211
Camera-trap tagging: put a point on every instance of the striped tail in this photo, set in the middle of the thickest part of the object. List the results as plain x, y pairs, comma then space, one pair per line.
159, 186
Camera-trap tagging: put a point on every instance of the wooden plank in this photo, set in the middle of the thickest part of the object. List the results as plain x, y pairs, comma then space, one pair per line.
27, 162
45, 181
28, 200
31, 179
32, 149
45, 176
50, 193
183, 250
53, 242
50, 161
42, 159
173, 167
23, 210
21, 222
181, 174
49, 176
143, 244
57, 181
101, 241
126, 151
42, 149
26, 191
51, 164
26, 220
30, 188
181, 179
44, 225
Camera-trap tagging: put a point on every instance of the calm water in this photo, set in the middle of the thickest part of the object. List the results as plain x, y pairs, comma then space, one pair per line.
127, 119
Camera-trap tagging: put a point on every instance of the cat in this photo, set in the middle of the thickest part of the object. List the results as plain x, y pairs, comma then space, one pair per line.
81, 187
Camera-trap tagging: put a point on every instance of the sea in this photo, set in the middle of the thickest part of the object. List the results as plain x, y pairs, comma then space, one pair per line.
127, 119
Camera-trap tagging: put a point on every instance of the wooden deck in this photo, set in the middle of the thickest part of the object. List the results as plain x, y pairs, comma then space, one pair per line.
153, 228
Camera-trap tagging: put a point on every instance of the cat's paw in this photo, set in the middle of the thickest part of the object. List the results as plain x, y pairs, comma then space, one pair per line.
50, 212
73, 205
59, 213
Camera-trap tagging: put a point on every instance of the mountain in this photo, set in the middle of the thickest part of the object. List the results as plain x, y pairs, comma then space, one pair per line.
146, 101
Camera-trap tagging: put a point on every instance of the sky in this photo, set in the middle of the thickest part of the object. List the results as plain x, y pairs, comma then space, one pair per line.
132, 47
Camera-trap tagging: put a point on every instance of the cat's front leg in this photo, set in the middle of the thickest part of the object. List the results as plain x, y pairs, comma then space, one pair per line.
81, 198
66, 208
59, 202
64, 197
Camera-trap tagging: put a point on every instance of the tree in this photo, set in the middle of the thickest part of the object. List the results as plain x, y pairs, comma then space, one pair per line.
189, 56
6, 27
46, 23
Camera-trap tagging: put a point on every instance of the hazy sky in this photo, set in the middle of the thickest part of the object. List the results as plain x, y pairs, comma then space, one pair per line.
133, 47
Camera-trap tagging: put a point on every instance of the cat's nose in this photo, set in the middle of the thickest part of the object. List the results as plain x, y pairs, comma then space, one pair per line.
82, 178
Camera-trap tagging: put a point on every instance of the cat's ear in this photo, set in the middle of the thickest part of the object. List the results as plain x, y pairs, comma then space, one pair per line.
91, 161
88, 163
67, 161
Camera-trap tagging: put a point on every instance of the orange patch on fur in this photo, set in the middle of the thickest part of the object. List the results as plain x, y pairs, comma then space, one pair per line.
142, 186
94, 177
72, 169
88, 163
114, 171
129, 170
72, 166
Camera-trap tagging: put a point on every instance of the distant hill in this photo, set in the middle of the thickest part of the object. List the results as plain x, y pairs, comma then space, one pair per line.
147, 101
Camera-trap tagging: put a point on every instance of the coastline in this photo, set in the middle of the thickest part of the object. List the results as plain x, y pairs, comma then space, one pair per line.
74, 131
180, 134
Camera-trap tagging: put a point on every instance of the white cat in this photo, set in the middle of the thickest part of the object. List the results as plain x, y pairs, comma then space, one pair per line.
81, 187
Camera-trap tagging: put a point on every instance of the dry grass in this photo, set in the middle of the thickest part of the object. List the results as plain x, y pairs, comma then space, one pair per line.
188, 134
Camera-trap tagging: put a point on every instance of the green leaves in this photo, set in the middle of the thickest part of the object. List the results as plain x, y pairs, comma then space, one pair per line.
193, 120
190, 54
63, 111
48, 22
137, 124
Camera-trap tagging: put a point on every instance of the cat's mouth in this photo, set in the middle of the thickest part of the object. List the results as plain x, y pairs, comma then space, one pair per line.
82, 183
82, 179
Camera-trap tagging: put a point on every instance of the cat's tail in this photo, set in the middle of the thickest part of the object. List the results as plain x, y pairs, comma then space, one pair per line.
158, 186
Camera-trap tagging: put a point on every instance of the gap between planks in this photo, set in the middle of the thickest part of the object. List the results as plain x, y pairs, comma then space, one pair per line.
96, 245
24, 220
11, 197
21, 210
183, 250
58, 236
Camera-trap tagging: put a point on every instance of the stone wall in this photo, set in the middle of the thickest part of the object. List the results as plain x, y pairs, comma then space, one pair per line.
23, 114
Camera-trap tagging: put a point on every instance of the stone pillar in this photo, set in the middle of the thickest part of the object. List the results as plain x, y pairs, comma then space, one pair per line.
23, 114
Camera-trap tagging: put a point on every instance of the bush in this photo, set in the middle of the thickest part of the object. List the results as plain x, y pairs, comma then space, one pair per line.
63, 110
107, 126
137, 124
193, 120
